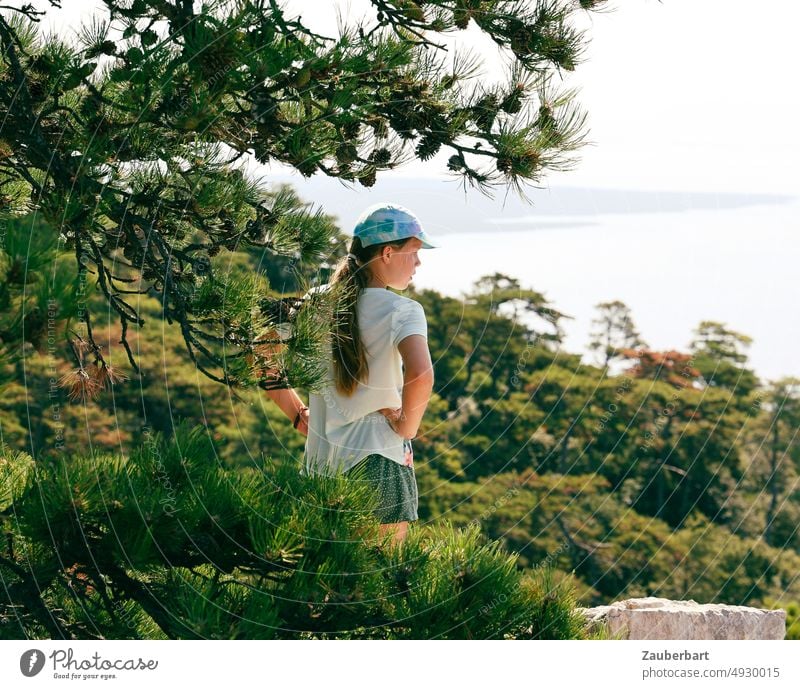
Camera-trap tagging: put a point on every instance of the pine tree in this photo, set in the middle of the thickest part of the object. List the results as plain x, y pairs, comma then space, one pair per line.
776, 458
720, 356
129, 142
614, 331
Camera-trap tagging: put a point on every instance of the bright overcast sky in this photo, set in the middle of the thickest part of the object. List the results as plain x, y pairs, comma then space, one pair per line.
681, 95
694, 95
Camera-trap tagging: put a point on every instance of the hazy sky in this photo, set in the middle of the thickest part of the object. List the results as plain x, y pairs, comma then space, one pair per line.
681, 95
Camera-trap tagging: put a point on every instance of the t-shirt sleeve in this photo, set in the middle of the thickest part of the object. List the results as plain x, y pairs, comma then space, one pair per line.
409, 319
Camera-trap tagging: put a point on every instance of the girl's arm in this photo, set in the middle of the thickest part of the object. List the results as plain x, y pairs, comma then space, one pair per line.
291, 404
287, 399
417, 385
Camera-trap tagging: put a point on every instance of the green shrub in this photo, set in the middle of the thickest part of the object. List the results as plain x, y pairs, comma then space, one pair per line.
168, 544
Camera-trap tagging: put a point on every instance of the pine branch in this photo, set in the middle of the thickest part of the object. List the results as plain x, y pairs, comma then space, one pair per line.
152, 124
138, 592
29, 590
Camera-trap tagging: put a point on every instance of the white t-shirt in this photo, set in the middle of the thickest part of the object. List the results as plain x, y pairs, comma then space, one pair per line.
343, 430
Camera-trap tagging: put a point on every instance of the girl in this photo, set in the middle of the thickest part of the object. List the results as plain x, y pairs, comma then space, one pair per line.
364, 419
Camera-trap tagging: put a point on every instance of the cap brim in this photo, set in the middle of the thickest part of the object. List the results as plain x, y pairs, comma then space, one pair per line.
427, 242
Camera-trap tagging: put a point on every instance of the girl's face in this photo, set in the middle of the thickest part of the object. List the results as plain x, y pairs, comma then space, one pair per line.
396, 267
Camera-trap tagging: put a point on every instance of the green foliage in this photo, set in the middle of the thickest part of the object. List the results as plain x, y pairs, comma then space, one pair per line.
574, 524
746, 569
720, 354
165, 543
38, 293
15, 472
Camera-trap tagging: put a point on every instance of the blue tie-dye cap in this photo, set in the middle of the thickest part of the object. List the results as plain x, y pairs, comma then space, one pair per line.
386, 222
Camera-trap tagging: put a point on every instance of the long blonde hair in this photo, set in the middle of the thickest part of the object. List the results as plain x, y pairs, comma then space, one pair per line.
351, 275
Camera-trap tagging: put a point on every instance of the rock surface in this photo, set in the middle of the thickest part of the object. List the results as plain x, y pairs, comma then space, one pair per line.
661, 618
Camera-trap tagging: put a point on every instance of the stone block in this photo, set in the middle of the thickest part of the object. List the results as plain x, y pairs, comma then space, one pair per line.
661, 618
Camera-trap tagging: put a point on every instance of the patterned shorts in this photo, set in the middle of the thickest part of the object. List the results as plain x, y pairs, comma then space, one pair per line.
395, 483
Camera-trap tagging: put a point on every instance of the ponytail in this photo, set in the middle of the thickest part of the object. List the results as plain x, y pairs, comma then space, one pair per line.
349, 355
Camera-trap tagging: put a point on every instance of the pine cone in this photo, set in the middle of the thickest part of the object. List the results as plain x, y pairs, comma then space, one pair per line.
461, 17
351, 130
485, 111
381, 156
427, 148
512, 103
346, 154
504, 164
454, 163
368, 179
